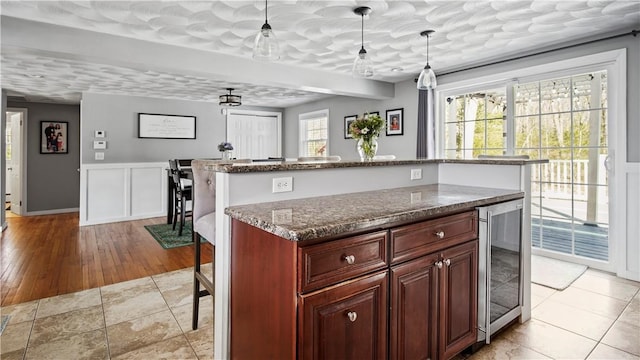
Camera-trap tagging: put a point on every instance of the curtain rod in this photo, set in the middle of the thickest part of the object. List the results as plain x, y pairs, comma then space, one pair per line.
633, 32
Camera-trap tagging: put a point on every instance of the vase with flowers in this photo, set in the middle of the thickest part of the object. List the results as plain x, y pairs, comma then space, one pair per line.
225, 148
366, 130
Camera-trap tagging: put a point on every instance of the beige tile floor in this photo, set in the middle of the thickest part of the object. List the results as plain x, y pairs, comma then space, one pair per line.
597, 317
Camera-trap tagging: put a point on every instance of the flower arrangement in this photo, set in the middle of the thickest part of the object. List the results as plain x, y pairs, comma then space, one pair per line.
367, 127
225, 146
366, 130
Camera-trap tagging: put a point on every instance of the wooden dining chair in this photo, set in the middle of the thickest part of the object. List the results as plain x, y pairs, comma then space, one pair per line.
183, 196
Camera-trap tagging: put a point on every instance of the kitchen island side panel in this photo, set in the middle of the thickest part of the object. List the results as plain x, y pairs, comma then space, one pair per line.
263, 294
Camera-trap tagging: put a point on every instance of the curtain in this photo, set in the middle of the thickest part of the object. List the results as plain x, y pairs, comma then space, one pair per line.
426, 125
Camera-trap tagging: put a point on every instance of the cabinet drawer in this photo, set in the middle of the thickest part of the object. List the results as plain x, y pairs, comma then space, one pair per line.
335, 261
412, 241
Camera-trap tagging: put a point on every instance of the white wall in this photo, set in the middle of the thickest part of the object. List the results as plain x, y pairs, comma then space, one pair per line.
404, 147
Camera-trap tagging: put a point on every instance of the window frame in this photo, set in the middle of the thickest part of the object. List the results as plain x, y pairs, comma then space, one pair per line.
302, 133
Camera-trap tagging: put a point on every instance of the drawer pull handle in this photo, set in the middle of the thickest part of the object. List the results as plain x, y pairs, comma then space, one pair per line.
352, 316
350, 259
439, 264
440, 234
447, 262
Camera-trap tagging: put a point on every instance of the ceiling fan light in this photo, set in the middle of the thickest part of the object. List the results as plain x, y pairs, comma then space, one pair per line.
229, 99
266, 45
427, 79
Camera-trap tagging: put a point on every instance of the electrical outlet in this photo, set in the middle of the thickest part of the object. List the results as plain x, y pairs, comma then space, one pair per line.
416, 174
99, 155
283, 184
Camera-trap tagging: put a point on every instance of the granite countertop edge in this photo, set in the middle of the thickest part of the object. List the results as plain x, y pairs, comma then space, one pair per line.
336, 229
249, 167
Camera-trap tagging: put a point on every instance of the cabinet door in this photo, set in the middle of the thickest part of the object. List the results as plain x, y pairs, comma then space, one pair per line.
414, 323
458, 299
347, 321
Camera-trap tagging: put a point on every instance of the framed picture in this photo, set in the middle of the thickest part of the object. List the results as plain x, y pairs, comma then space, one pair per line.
395, 122
54, 137
366, 115
347, 122
159, 126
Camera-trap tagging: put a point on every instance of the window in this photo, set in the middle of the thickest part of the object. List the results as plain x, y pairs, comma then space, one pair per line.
314, 133
475, 124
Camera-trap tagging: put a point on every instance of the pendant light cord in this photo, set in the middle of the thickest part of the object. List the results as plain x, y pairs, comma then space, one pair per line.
266, 7
428, 49
362, 31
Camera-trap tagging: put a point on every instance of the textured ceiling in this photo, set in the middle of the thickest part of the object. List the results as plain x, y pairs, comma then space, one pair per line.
320, 36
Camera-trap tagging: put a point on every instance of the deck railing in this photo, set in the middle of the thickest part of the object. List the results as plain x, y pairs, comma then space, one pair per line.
558, 179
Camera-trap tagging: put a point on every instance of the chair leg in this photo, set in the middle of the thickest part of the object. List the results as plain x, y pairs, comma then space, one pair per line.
196, 282
181, 217
175, 217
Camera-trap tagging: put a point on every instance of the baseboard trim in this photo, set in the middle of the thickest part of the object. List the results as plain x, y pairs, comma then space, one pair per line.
124, 218
51, 212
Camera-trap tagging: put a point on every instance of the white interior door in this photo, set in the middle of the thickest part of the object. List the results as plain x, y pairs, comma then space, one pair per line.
254, 134
14, 164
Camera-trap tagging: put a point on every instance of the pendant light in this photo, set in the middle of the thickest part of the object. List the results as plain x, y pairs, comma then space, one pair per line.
362, 66
427, 78
266, 45
230, 100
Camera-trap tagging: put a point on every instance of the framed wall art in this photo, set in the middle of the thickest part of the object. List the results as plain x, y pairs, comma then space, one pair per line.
395, 122
159, 126
347, 122
366, 115
54, 137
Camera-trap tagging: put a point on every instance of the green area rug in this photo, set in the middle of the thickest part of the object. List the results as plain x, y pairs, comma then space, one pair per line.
168, 238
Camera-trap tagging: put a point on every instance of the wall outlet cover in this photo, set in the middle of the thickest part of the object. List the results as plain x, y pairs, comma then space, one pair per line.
416, 174
283, 184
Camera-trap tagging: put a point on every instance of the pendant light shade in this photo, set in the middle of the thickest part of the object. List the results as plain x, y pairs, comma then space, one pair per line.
362, 66
266, 44
427, 78
229, 99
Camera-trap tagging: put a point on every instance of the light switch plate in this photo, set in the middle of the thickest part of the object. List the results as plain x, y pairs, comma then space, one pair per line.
99, 144
100, 155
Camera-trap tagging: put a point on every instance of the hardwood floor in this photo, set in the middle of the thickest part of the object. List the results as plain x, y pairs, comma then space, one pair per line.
43, 256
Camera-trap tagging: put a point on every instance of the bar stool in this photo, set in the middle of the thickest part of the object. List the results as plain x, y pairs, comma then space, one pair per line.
204, 226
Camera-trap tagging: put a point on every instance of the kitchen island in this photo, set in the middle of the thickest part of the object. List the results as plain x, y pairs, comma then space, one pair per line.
253, 184
316, 278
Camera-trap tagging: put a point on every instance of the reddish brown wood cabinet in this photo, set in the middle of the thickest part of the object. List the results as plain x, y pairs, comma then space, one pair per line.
434, 297
348, 321
408, 292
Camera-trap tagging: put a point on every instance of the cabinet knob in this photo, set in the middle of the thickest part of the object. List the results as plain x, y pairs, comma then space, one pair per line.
440, 234
350, 259
352, 316
439, 264
447, 262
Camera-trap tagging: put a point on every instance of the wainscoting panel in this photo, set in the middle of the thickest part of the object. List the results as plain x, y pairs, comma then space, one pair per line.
122, 192
147, 192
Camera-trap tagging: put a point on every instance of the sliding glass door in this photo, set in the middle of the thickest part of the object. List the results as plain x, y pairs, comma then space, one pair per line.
565, 120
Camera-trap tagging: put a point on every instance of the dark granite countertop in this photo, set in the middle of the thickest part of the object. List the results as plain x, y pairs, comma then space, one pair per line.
246, 166
326, 216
